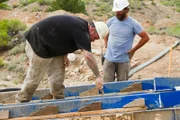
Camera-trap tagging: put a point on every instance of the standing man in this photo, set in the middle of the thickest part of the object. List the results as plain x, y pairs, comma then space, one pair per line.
119, 41
48, 43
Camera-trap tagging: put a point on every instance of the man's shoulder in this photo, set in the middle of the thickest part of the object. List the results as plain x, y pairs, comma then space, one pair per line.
133, 20
112, 19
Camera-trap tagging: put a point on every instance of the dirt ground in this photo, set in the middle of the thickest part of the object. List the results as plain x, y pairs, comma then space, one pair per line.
79, 74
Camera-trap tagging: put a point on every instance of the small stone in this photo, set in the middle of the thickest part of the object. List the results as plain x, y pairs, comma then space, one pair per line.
9, 77
96, 52
76, 70
72, 57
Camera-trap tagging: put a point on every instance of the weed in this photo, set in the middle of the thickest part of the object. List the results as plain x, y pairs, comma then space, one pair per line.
17, 49
153, 30
16, 82
173, 31
35, 9
1, 63
175, 3
26, 2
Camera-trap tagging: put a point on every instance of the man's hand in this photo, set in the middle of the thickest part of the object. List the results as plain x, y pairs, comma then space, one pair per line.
99, 83
66, 61
130, 53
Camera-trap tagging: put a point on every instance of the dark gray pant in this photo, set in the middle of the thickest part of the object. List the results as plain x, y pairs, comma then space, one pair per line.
110, 68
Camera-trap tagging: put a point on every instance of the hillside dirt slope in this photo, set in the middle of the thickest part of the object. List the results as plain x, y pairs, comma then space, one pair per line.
78, 73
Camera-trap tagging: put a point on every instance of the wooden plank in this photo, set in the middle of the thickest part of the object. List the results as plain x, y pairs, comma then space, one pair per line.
155, 115
90, 92
48, 110
91, 107
133, 87
136, 103
83, 114
4, 114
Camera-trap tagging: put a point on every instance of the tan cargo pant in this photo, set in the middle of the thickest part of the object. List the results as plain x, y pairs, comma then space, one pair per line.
37, 68
110, 68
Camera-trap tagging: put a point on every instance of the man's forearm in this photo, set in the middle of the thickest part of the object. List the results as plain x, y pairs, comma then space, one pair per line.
106, 40
144, 39
91, 62
140, 44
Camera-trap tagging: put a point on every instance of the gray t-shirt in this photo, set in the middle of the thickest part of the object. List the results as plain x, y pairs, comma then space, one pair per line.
121, 38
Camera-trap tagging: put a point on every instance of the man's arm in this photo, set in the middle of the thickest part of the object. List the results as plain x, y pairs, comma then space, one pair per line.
106, 40
144, 39
91, 62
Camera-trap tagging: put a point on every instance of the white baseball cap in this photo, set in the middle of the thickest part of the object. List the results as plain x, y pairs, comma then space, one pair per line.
119, 5
101, 28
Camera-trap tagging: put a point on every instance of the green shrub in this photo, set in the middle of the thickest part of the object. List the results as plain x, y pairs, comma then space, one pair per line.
4, 38
9, 28
136, 4
74, 6
35, 9
15, 26
17, 49
44, 2
173, 31
1, 62
175, 3
27, 2
15, 5
1, 1
4, 6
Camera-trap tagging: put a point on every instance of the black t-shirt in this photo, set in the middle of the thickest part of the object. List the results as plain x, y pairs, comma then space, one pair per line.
59, 35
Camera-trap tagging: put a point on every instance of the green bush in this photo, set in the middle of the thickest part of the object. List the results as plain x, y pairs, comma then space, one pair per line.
27, 2
9, 28
44, 2
4, 6
175, 3
1, 1
136, 4
35, 9
74, 6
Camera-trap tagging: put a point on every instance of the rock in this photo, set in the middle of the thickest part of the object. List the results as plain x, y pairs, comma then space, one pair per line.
82, 61
76, 70
78, 52
9, 77
96, 52
72, 57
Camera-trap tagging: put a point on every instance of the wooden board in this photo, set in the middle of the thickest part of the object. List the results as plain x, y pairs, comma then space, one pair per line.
91, 107
83, 114
48, 110
4, 114
136, 103
133, 87
90, 92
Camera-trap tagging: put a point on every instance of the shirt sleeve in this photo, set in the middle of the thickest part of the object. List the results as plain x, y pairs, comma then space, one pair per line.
82, 40
137, 27
109, 22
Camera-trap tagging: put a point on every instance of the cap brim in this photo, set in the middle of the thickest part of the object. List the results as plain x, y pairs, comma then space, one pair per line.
100, 37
